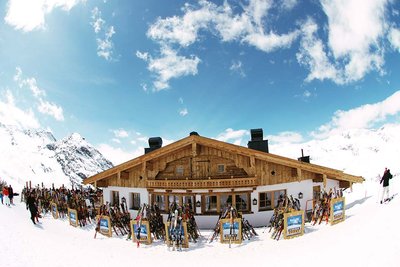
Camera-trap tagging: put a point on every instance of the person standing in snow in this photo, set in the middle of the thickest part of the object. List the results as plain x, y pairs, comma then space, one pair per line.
385, 182
11, 194
1, 195
5, 196
31, 204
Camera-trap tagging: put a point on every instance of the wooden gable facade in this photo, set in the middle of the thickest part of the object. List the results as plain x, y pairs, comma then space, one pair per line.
197, 162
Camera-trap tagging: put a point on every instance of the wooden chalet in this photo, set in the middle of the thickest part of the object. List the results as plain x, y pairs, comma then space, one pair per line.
208, 174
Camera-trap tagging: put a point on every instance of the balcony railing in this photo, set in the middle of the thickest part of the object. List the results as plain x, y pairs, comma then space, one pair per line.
201, 184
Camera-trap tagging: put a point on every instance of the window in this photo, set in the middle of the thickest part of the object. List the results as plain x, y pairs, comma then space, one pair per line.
221, 168
225, 201
269, 200
179, 170
211, 203
114, 198
134, 201
160, 201
188, 200
242, 202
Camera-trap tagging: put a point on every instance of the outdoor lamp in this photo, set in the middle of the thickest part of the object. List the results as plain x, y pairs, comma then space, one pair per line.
254, 201
300, 195
198, 204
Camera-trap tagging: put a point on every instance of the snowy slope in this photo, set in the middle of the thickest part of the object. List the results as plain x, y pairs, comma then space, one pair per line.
368, 237
360, 152
35, 155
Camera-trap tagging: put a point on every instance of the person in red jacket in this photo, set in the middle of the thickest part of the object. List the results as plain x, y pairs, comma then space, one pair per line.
5, 196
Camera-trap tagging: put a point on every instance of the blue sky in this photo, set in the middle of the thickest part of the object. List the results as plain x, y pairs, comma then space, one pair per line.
119, 72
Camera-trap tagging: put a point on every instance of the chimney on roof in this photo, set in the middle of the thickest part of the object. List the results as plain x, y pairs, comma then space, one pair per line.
304, 158
154, 143
194, 133
257, 141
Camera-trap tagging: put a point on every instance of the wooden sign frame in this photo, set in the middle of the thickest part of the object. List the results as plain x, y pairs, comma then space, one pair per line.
225, 225
73, 217
145, 234
54, 210
185, 243
338, 208
293, 224
105, 227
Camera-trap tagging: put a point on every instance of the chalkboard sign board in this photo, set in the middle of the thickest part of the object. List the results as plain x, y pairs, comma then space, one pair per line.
104, 225
231, 232
54, 210
145, 235
338, 206
185, 241
73, 217
293, 224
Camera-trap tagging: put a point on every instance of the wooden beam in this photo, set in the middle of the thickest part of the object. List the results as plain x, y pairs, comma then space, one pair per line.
324, 177
299, 174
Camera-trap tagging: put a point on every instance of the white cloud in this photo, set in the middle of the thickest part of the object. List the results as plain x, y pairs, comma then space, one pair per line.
10, 114
289, 4
51, 109
30, 15
183, 112
356, 28
237, 68
182, 31
312, 55
44, 106
365, 116
171, 65
116, 140
120, 133
97, 21
117, 155
394, 38
104, 33
232, 136
285, 137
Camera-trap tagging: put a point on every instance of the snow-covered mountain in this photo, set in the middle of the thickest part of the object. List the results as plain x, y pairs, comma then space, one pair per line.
35, 155
360, 151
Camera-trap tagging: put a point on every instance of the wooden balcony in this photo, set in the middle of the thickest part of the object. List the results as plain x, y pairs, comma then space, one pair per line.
203, 184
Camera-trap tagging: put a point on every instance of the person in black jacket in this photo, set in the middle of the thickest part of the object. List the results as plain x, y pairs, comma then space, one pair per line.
385, 182
11, 194
31, 204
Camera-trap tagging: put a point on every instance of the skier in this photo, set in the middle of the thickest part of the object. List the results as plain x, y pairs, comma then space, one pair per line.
31, 204
11, 194
5, 196
385, 180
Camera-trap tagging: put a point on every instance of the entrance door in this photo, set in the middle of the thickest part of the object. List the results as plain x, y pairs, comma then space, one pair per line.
316, 194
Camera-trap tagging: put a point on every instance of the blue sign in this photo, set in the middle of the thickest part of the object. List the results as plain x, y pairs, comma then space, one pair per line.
294, 225
104, 225
230, 230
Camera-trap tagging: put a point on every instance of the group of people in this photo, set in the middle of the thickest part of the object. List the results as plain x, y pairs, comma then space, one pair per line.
7, 195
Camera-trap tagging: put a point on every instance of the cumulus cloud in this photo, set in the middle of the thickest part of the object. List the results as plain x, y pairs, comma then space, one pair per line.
30, 15
232, 136
170, 65
51, 109
183, 112
117, 155
355, 41
312, 55
246, 26
365, 116
104, 33
120, 133
10, 114
394, 38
